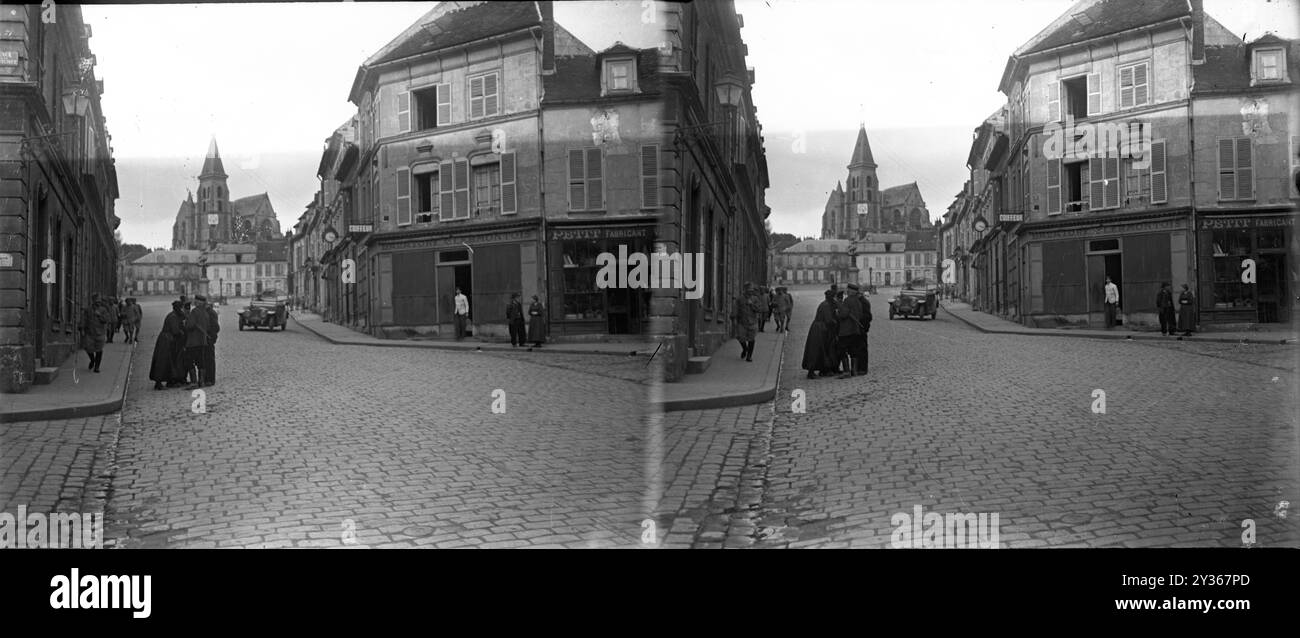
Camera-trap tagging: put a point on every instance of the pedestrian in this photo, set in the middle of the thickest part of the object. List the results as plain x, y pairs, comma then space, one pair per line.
818, 347
136, 315
462, 314
536, 322
1165, 308
210, 351
95, 320
515, 320
1112, 302
167, 367
745, 316
1186, 310
764, 307
853, 316
197, 327
117, 309
782, 304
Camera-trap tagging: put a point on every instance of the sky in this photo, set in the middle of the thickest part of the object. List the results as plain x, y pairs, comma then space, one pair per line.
920, 74
270, 82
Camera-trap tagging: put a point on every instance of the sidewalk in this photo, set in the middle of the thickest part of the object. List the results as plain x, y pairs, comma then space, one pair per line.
76, 392
342, 335
985, 322
729, 381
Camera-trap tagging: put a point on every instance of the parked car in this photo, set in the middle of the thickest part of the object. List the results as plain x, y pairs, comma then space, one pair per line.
263, 314
911, 302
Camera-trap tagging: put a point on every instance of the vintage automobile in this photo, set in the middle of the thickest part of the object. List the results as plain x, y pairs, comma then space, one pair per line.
911, 302
263, 313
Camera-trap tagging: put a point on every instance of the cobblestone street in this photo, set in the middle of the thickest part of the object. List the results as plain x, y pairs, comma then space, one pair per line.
1195, 439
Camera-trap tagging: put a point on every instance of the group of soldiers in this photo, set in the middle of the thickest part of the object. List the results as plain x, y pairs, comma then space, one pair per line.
837, 338
756, 305
185, 353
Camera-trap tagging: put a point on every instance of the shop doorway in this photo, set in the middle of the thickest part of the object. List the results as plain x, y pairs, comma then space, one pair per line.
623, 310
451, 277
1101, 265
1271, 288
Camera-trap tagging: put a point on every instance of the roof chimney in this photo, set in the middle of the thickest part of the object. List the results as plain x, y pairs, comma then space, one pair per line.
1198, 32
547, 9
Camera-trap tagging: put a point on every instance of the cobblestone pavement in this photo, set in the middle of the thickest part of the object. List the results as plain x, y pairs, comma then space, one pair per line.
1195, 440
307, 444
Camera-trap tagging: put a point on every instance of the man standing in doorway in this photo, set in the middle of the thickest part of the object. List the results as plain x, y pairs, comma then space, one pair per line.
1112, 302
462, 314
1165, 307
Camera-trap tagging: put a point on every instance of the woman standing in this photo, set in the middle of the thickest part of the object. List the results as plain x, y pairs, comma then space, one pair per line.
816, 349
166, 368
1186, 311
95, 320
536, 322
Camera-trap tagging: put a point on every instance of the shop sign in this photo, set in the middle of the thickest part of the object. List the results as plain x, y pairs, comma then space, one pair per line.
1225, 223
562, 234
457, 240
1109, 230
1011, 217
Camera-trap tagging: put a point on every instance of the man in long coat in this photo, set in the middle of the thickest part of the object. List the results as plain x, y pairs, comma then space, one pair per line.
167, 367
818, 348
95, 320
1165, 309
853, 316
210, 351
198, 324
782, 304
764, 307
515, 320
746, 315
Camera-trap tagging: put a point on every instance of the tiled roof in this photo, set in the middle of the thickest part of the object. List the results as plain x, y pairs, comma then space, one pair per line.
254, 205
820, 246
577, 77
1089, 19
170, 257
1227, 68
453, 23
899, 194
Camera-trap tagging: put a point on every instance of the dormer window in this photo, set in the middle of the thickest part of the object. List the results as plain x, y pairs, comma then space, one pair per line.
620, 75
1268, 65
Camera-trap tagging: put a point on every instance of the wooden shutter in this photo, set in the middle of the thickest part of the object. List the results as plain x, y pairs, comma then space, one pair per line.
1053, 186
491, 100
444, 104
1111, 165
1141, 90
1054, 101
1227, 169
595, 180
509, 205
403, 196
447, 192
1159, 186
461, 170
435, 194
1126, 87
650, 176
1094, 93
404, 112
475, 98
577, 181
1245, 173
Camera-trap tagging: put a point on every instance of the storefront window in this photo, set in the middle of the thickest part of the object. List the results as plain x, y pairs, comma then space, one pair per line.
1229, 248
582, 298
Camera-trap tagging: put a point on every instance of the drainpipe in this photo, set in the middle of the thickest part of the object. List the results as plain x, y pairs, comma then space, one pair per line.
1197, 57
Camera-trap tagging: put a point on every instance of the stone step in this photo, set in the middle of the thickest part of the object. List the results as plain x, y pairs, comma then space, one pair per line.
45, 376
697, 365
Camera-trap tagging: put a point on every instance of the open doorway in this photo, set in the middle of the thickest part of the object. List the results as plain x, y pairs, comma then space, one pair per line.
1271, 287
1100, 266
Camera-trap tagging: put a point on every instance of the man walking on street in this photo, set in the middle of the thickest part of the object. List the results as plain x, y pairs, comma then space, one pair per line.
1165, 308
197, 326
782, 304
134, 314
746, 316
764, 307
462, 314
854, 315
1112, 302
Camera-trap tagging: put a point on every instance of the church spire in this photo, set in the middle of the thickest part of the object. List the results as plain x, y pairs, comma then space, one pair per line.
212, 164
862, 150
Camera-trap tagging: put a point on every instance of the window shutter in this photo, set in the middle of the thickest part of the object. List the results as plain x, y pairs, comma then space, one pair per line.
404, 112
1140, 86
1111, 165
1054, 101
1091, 176
577, 181
461, 169
435, 194
1227, 170
1159, 188
475, 98
595, 180
1245, 174
447, 192
1126, 87
403, 196
508, 203
650, 176
444, 104
1053, 186
491, 101
1094, 93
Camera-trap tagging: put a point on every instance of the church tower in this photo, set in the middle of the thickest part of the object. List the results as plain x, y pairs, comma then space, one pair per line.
213, 204
863, 188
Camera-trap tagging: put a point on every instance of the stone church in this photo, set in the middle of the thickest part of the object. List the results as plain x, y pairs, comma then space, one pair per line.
863, 207
214, 218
